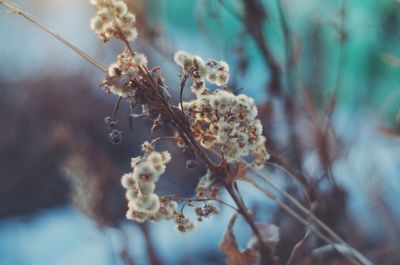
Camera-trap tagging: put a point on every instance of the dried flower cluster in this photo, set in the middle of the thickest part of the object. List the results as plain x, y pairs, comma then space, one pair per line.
220, 119
205, 211
216, 120
215, 72
143, 203
121, 73
140, 184
113, 20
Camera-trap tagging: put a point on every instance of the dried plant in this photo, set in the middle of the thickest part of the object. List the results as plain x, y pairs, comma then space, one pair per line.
219, 129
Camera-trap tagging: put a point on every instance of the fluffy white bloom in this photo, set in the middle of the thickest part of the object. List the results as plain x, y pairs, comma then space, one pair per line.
113, 20
140, 185
146, 187
227, 122
166, 211
146, 172
136, 216
132, 194
122, 72
146, 203
216, 72
183, 58
128, 181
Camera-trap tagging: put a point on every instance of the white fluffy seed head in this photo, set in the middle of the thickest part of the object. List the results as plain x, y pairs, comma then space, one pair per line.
128, 181
136, 216
183, 58
146, 172
155, 158
129, 18
132, 194
130, 33
135, 161
146, 187
227, 122
166, 157
96, 24
147, 203
112, 19
120, 8
139, 59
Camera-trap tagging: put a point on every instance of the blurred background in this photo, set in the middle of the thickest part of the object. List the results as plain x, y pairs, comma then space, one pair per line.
325, 75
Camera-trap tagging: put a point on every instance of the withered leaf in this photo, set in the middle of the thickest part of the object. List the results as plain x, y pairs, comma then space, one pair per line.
229, 246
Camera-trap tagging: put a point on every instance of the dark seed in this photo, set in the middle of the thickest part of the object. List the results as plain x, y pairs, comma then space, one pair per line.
115, 136
113, 125
191, 163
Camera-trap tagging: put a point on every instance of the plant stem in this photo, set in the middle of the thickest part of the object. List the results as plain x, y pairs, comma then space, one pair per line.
15, 9
315, 219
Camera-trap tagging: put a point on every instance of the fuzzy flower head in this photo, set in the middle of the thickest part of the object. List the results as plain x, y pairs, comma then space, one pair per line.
227, 122
113, 20
215, 72
121, 73
143, 203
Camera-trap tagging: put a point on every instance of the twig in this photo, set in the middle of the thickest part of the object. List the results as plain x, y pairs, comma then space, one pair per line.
14, 8
204, 200
299, 218
265, 251
315, 219
116, 107
183, 83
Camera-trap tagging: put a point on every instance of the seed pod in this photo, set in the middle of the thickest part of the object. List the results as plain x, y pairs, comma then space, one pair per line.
115, 136
191, 163
113, 124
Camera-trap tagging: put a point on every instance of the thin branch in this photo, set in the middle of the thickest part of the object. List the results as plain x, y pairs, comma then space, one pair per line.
183, 83
15, 9
116, 107
265, 251
299, 218
315, 219
204, 200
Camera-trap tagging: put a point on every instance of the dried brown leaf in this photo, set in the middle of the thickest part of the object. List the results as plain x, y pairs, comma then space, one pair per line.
237, 172
229, 246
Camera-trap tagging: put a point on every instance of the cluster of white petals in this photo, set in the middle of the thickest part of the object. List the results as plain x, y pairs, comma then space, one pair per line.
122, 72
113, 20
227, 122
216, 72
140, 185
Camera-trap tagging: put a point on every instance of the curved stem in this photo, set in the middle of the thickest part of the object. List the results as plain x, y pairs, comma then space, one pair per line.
315, 219
299, 218
15, 9
206, 199
265, 251
116, 107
